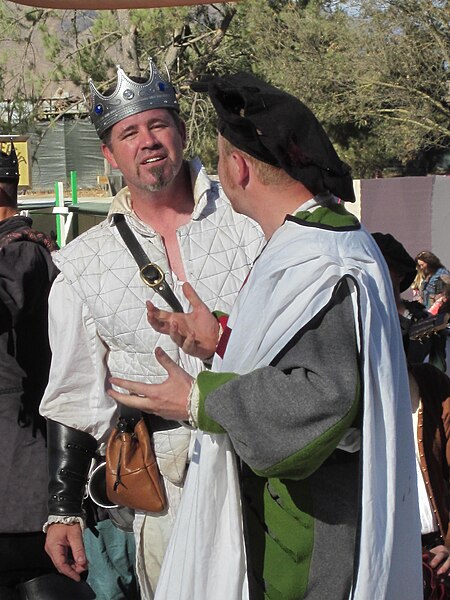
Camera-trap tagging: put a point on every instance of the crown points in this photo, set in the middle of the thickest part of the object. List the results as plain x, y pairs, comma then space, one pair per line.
130, 98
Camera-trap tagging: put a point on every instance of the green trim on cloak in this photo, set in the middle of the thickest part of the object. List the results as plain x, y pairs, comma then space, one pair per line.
207, 382
336, 216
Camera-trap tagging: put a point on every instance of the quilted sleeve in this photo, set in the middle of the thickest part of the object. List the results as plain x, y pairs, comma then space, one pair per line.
76, 393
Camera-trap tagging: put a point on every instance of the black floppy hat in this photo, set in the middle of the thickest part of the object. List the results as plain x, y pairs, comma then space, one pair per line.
397, 258
277, 128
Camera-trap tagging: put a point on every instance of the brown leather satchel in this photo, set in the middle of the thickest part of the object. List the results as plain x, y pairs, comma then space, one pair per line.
132, 474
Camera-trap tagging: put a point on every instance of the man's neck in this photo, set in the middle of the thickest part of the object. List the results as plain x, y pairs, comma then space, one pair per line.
275, 203
7, 211
165, 211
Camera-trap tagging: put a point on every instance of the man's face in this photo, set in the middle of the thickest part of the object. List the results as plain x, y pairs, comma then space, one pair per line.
148, 149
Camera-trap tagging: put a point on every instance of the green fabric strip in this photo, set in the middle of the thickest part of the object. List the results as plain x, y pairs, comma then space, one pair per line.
281, 534
336, 216
207, 382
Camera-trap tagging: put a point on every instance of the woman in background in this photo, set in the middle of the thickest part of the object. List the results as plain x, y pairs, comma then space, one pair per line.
431, 269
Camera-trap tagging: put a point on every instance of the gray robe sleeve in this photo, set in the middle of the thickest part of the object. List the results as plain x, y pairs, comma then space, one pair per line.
285, 419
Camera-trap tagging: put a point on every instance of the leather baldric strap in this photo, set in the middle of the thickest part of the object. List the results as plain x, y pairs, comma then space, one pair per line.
151, 274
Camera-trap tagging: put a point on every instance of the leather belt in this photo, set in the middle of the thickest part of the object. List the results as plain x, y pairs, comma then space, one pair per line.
157, 423
130, 416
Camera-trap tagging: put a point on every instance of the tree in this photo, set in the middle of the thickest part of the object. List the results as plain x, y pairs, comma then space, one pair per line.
77, 45
375, 73
406, 87
21, 88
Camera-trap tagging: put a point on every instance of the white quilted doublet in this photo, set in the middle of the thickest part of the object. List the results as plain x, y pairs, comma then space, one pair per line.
218, 247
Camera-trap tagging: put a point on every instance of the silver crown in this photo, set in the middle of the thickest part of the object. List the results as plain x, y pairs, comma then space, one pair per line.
130, 98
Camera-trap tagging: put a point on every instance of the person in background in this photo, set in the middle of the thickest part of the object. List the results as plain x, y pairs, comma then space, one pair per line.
402, 270
430, 403
431, 269
441, 304
416, 284
432, 286
440, 309
26, 274
186, 226
301, 480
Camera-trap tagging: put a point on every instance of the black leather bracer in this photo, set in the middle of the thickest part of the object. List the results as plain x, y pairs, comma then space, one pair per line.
69, 457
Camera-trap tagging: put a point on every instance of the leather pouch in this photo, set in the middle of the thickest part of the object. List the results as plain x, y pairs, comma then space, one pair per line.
132, 474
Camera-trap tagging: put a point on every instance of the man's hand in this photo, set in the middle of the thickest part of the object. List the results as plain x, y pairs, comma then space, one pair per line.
64, 545
196, 333
167, 399
441, 560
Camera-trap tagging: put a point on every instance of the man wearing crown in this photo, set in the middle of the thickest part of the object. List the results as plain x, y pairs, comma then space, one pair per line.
98, 327
26, 274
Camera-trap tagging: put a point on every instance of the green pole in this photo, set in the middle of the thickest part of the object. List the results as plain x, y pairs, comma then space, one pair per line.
73, 187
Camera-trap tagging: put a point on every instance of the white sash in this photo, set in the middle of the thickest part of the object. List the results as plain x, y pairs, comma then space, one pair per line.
206, 557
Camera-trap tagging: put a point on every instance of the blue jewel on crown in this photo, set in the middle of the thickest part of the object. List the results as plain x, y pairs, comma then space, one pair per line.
161, 86
98, 109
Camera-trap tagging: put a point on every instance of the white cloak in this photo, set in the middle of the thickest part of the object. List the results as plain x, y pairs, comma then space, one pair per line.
291, 281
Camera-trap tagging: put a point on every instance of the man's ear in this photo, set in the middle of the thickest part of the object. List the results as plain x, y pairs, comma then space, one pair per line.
108, 154
241, 167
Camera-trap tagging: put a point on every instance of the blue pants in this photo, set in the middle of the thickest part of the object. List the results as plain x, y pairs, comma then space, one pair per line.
111, 554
